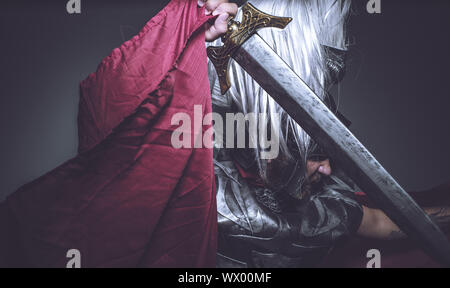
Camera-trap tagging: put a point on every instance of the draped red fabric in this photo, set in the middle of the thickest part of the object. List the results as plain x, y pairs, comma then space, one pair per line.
129, 199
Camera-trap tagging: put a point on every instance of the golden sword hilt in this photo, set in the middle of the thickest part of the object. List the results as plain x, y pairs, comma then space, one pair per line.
239, 32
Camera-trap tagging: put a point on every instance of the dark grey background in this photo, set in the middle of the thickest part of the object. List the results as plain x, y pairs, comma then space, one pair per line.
395, 91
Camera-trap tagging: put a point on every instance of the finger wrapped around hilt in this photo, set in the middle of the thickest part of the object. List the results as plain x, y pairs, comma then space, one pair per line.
237, 33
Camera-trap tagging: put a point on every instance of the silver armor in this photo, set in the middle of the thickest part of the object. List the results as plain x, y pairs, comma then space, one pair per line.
257, 228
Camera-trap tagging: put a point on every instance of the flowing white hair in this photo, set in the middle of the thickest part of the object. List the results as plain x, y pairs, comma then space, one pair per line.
315, 23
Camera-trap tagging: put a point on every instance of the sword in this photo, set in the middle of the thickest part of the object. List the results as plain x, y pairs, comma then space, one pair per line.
257, 58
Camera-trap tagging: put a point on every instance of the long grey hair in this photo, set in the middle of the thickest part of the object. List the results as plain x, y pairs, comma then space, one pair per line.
316, 23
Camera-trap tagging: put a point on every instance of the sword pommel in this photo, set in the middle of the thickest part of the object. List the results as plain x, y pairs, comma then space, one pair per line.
239, 32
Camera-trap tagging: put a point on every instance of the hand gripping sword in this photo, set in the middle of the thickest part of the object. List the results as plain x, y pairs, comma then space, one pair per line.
257, 58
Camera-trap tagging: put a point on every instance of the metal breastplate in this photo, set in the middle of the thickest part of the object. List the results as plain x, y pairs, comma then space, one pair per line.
255, 230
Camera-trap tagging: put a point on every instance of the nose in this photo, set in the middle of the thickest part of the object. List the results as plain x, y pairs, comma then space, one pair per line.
324, 168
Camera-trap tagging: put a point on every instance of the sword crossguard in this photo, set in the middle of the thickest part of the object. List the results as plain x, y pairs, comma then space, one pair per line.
252, 21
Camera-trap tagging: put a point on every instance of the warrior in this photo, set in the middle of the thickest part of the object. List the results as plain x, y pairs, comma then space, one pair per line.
292, 210
132, 199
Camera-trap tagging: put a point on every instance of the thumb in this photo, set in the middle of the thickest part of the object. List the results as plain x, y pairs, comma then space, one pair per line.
218, 29
221, 23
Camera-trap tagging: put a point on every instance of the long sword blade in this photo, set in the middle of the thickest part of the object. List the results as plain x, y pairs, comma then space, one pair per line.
306, 108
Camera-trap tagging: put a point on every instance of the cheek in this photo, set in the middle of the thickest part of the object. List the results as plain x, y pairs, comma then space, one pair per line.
311, 167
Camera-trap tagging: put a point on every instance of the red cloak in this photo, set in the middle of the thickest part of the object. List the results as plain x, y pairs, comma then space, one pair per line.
129, 198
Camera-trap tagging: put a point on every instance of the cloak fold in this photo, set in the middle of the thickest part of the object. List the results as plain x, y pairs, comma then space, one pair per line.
129, 198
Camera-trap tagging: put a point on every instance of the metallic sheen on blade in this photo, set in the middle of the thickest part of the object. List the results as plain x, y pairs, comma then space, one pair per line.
308, 110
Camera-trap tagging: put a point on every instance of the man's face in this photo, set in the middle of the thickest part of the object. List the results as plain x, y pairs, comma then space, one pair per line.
315, 170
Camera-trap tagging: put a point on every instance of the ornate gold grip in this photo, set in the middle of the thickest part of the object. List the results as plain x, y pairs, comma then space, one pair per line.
252, 20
